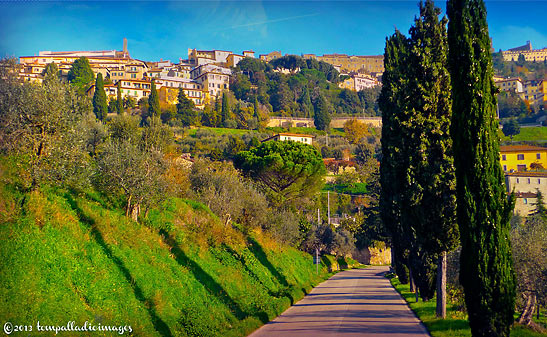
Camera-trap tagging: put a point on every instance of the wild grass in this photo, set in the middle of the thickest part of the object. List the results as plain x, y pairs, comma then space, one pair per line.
455, 325
74, 256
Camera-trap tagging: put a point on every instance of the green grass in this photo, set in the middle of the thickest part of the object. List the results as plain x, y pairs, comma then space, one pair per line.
68, 256
531, 134
220, 131
357, 188
455, 325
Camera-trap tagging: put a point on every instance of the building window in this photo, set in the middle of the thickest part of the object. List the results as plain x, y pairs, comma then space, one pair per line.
505, 167
538, 155
520, 156
521, 167
528, 180
517, 180
503, 157
539, 181
525, 201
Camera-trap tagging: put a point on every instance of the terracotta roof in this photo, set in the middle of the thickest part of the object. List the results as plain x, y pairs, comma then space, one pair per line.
527, 174
521, 148
295, 135
525, 195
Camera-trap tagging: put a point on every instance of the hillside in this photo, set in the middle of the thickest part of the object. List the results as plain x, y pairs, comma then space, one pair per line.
74, 256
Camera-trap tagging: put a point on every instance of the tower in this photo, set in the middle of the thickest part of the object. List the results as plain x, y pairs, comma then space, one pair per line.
125, 53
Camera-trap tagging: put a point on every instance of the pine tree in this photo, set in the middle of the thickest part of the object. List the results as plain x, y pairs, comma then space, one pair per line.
321, 116
119, 100
100, 108
153, 101
186, 111
394, 162
483, 211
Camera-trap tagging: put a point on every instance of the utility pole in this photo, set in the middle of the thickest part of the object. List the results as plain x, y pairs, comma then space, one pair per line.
318, 217
328, 206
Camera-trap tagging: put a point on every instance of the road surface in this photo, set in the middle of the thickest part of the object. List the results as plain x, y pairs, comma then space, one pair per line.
357, 302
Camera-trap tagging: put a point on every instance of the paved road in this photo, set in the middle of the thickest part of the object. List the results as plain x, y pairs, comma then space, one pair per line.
358, 302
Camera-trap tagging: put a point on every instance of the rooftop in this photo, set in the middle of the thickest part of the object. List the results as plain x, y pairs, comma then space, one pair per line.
521, 148
527, 174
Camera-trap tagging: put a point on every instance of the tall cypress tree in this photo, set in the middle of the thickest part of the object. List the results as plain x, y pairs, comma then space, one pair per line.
321, 116
186, 112
153, 101
394, 162
483, 209
429, 193
100, 108
51, 73
119, 100
256, 110
226, 114
305, 102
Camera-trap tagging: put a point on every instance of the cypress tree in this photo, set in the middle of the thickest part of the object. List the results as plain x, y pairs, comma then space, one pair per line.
430, 173
225, 114
321, 116
153, 101
256, 110
119, 100
100, 108
51, 73
186, 112
305, 102
483, 209
80, 74
394, 162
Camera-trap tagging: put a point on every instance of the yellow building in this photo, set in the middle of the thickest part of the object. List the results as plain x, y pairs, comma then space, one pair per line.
271, 56
535, 92
525, 185
520, 157
170, 95
514, 84
529, 54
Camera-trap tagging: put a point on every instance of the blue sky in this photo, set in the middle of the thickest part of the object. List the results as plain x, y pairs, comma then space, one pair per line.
166, 30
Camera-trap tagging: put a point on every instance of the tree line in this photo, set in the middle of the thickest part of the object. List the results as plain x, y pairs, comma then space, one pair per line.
441, 181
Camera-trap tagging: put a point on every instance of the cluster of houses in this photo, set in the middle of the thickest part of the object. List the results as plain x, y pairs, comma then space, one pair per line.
524, 167
533, 92
202, 76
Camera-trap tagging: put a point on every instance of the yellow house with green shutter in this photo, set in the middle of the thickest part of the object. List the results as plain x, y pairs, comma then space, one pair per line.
521, 157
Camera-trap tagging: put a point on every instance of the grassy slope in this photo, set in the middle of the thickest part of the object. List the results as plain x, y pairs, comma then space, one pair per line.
455, 325
536, 134
72, 257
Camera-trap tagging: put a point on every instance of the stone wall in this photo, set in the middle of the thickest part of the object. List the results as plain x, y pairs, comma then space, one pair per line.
336, 122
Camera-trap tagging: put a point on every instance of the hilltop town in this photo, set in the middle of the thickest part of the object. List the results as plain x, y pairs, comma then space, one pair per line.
203, 75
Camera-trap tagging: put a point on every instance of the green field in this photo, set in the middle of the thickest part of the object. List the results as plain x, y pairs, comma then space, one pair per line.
74, 256
455, 324
529, 134
357, 188
219, 131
